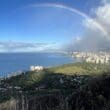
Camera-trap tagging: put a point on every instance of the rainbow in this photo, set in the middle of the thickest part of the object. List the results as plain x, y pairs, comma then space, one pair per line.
73, 10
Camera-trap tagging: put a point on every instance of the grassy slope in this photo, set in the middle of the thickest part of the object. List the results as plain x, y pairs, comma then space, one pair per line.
81, 69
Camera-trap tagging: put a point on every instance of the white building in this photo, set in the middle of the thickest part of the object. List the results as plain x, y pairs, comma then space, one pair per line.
36, 68
90, 60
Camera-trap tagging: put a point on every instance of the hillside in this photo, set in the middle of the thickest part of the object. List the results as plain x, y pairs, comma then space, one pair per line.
81, 69
54, 87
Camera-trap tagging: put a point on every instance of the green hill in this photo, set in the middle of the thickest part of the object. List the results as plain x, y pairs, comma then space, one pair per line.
81, 69
62, 80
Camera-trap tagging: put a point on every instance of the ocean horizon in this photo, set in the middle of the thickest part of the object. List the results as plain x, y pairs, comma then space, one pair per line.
16, 62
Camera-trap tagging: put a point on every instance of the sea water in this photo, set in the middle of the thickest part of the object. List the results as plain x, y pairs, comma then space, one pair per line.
15, 62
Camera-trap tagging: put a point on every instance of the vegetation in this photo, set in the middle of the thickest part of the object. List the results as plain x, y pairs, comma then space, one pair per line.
82, 69
64, 82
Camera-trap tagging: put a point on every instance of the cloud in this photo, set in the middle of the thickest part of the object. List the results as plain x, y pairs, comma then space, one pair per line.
21, 46
105, 1
94, 38
103, 15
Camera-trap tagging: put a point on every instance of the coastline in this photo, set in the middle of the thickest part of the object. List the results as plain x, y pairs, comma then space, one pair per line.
15, 62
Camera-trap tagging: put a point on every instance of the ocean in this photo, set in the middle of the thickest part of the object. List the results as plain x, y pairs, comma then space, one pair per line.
15, 62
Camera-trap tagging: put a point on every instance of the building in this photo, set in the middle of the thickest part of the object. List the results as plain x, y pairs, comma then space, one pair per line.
36, 68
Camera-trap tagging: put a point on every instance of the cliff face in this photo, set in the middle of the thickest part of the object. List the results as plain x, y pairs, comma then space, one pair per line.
46, 102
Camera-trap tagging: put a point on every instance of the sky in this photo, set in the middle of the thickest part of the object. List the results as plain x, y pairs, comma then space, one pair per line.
54, 25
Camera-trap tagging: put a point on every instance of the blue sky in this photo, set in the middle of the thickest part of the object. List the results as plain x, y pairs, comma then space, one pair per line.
43, 28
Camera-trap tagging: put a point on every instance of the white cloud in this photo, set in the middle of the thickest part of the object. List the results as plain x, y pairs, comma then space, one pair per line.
14, 46
94, 37
103, 14
90, 24
78, 39
105, 1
